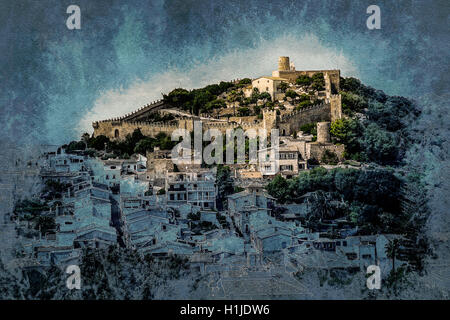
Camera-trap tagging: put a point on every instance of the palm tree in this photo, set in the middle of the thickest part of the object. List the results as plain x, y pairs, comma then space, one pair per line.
392, 250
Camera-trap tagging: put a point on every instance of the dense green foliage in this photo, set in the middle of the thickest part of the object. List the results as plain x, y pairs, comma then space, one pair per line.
370, 198
134, 143
309, 128
376, 201
283, 86
201, 100
303, 80
318, 81
74, 146
291, 94
382, 136
329, 157
28, 209
224, 185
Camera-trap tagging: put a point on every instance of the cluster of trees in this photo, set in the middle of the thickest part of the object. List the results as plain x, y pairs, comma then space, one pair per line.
356, 96
369, 198
54, 189
133, 143
383, 135
201, 100
309, 128
376, 200
138, 143
224, 186
316, 82
256, 96
29, 208
32, 211
302, 101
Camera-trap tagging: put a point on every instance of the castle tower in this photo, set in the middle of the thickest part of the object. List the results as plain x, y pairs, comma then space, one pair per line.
269, 120
323, 132
283, 64
335, 107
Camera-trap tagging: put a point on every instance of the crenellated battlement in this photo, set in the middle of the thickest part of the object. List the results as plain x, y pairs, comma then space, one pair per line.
118, 128
293, 114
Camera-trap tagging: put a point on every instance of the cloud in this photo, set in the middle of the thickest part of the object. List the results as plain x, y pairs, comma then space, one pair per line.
307, 52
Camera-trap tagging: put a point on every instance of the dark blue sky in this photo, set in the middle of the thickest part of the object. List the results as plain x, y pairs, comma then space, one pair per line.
51, 77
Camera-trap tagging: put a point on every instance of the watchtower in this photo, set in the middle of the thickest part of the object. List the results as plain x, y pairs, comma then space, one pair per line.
283, 64
323, 132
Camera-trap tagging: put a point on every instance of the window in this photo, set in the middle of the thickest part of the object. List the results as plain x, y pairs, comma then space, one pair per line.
267, 88
338, 243
344, 243
107, 177
366, 256
352, 256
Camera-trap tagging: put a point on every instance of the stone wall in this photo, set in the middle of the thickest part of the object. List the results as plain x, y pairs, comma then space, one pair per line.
118, 130
323, 132
335, 107
333, 75
315, 150
291, 123
156, 168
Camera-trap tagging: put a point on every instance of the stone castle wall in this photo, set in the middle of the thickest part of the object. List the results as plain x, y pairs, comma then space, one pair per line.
323, 132
333, 75
316, 150
335, 107
118, 129
291, 123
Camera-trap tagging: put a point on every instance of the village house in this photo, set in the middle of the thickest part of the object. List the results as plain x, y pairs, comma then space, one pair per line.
288, 162
158, 163
272, 238
197, 187
244, 204
270, 85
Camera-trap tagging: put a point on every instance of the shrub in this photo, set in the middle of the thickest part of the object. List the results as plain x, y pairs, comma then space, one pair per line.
303, 80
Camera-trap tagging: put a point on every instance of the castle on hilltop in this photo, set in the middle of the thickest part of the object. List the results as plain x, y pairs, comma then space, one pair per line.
327, 107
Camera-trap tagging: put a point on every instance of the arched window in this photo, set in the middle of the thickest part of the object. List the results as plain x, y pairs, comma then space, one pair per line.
116, 133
